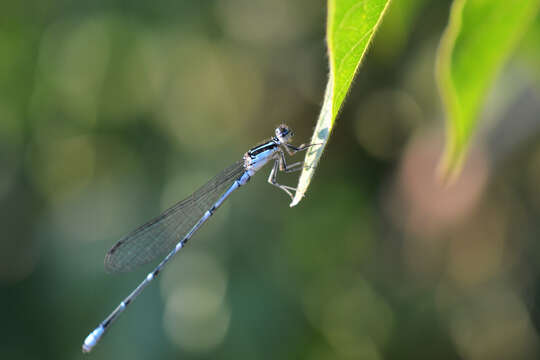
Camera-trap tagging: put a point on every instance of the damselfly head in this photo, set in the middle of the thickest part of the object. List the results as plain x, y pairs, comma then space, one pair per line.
284, 134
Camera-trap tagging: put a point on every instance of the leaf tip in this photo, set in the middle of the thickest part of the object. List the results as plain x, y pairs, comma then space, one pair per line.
450, 166
295, 201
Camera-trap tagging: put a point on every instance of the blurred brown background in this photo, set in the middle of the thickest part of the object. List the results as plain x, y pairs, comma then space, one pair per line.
111, 111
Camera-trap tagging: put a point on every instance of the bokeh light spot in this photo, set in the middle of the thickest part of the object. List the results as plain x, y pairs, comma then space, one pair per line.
430, 206
196, 316
384, 122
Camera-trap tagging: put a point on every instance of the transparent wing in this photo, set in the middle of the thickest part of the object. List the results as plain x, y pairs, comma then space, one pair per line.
158, 237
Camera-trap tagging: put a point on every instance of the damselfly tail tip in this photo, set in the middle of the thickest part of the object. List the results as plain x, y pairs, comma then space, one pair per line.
92, 339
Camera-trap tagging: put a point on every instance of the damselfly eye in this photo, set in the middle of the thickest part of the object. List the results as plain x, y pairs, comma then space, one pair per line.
283, 132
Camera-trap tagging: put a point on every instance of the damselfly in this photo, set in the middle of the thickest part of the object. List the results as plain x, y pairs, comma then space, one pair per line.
166, 234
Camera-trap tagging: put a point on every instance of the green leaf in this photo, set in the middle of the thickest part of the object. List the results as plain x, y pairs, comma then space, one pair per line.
349, 29
479, 38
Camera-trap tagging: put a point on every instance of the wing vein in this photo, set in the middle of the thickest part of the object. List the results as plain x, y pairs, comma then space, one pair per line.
158, 236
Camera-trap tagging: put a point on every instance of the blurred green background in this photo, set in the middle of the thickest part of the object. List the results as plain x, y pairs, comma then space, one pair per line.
111, 111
